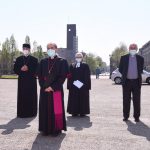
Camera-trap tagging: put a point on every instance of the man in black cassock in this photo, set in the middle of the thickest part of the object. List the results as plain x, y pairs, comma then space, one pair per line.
79, 84
52, 73
26, 67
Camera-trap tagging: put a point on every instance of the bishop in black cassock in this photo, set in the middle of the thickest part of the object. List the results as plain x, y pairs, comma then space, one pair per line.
52, 73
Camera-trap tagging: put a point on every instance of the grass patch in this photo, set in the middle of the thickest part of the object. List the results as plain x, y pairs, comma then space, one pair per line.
8, 77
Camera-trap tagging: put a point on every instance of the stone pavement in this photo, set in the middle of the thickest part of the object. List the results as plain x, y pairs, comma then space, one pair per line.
103, 129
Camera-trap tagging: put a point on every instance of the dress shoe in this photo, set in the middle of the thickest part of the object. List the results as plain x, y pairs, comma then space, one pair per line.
137, 120
82, 115
56, 133
125, 119
44, 134
74, 115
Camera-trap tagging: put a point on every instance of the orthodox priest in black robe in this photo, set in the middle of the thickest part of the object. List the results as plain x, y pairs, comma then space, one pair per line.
26, 68
52, 74
79, 84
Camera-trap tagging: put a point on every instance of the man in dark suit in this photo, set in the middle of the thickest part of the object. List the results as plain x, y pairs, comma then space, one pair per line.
131, 68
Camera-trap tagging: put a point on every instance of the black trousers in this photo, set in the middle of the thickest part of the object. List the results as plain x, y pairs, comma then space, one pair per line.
131, 87
97, 76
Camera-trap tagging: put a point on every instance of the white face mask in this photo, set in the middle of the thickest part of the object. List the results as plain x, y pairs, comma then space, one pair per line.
51, 53
132, 52
26, 52
78, 60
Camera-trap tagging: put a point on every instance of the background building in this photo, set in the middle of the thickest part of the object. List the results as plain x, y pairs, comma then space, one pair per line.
145, 52
72, 44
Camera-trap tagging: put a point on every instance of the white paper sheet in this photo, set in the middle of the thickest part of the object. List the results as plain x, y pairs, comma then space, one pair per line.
78, 84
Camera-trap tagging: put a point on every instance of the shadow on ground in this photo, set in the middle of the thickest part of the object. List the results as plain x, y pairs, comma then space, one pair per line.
79, 123
47, 142
139, 129
14, 124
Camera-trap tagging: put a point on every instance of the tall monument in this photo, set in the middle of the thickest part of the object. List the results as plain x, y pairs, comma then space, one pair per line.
72, 44
71, 37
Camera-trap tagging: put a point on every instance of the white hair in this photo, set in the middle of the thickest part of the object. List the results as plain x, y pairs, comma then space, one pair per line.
79, 54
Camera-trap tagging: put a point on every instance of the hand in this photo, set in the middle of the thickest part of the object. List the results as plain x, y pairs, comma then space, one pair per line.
24, 68
49, 89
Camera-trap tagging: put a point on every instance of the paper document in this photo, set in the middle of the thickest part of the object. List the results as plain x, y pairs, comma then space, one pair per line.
78, 84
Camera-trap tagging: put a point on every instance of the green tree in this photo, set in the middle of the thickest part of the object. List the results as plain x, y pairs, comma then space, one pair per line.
14, 52
39, 53
117, 53
27, 39
5, 57
93, 61
99, 61
35, 45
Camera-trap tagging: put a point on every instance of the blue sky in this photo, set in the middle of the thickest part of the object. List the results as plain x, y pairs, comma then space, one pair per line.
101, 24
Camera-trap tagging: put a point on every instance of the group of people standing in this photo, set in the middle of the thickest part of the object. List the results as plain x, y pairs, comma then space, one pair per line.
52, 73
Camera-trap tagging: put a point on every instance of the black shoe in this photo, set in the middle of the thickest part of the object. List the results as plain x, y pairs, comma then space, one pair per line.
56, 133
82, 115
74, 115
44, 134
125, 119
137, 120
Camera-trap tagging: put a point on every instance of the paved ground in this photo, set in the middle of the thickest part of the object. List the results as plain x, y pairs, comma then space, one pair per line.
102, 130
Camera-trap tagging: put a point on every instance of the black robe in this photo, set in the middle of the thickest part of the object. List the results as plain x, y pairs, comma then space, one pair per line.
59, 70
78, 99
27, 86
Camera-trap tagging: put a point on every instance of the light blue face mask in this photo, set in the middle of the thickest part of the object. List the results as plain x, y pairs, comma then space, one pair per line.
78, 60
132, 52
51, 52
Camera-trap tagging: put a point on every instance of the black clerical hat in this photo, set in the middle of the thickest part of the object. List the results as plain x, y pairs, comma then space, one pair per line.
26, 45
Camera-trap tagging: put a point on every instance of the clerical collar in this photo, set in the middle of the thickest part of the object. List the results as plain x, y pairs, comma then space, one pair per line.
78, 65
53, 57
26, 56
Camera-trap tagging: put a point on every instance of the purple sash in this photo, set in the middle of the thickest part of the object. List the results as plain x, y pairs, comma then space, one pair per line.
58, 110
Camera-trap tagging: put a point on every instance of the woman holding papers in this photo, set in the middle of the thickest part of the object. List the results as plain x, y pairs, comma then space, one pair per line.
79, 84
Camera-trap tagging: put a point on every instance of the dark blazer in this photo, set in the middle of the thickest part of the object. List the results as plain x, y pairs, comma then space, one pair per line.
123, 67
